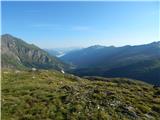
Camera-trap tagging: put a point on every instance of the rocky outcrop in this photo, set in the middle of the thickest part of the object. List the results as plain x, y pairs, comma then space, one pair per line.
18, 54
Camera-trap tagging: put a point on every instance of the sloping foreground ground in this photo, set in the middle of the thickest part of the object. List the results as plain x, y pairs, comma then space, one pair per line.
50, 95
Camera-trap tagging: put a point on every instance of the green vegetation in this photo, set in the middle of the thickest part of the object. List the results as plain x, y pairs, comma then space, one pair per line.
50, 95
140, 62
20, 55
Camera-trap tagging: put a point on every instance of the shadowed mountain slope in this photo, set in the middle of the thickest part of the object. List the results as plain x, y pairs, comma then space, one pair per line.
18, 54
138, 62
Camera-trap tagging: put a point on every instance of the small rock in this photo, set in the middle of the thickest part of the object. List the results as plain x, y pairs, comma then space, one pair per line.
62, 71
17, 71
34, 69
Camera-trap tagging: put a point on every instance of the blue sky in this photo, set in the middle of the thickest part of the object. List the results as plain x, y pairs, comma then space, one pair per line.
82, 24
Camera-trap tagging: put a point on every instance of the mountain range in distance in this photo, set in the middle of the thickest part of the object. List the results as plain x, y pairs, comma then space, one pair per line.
141, 62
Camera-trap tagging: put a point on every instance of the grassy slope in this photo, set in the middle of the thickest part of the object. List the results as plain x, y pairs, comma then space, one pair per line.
50, 95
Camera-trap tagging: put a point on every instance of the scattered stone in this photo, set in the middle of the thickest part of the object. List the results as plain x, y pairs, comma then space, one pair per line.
98, 107
34, 69
17, 71
62, 71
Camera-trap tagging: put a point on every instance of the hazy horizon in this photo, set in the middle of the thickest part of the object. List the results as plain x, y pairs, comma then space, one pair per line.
79, 47
82, 24
75, 47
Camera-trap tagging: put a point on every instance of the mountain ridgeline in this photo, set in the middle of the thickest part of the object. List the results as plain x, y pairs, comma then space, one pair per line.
20, 55
140, 62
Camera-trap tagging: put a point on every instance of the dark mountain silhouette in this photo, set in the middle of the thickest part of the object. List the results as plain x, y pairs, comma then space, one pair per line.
139, 62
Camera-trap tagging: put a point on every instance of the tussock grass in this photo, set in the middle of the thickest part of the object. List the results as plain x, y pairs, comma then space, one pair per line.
50, 95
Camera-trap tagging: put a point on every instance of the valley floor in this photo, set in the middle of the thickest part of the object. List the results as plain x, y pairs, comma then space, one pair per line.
50, 95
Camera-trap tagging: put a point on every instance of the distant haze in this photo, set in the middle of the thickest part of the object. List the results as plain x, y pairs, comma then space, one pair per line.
82, 24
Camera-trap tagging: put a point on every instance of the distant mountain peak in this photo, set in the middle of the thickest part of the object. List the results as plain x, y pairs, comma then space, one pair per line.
157, 43
6, 34
16, 53
97, 47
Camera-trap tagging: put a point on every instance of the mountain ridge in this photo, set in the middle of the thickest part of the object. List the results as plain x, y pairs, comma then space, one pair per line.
16, 53
134, 61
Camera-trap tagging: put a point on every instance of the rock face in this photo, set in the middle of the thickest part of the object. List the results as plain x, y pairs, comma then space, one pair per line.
18, 54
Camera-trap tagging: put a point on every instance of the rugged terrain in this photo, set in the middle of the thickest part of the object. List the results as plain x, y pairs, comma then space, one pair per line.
20, 55
48, 95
